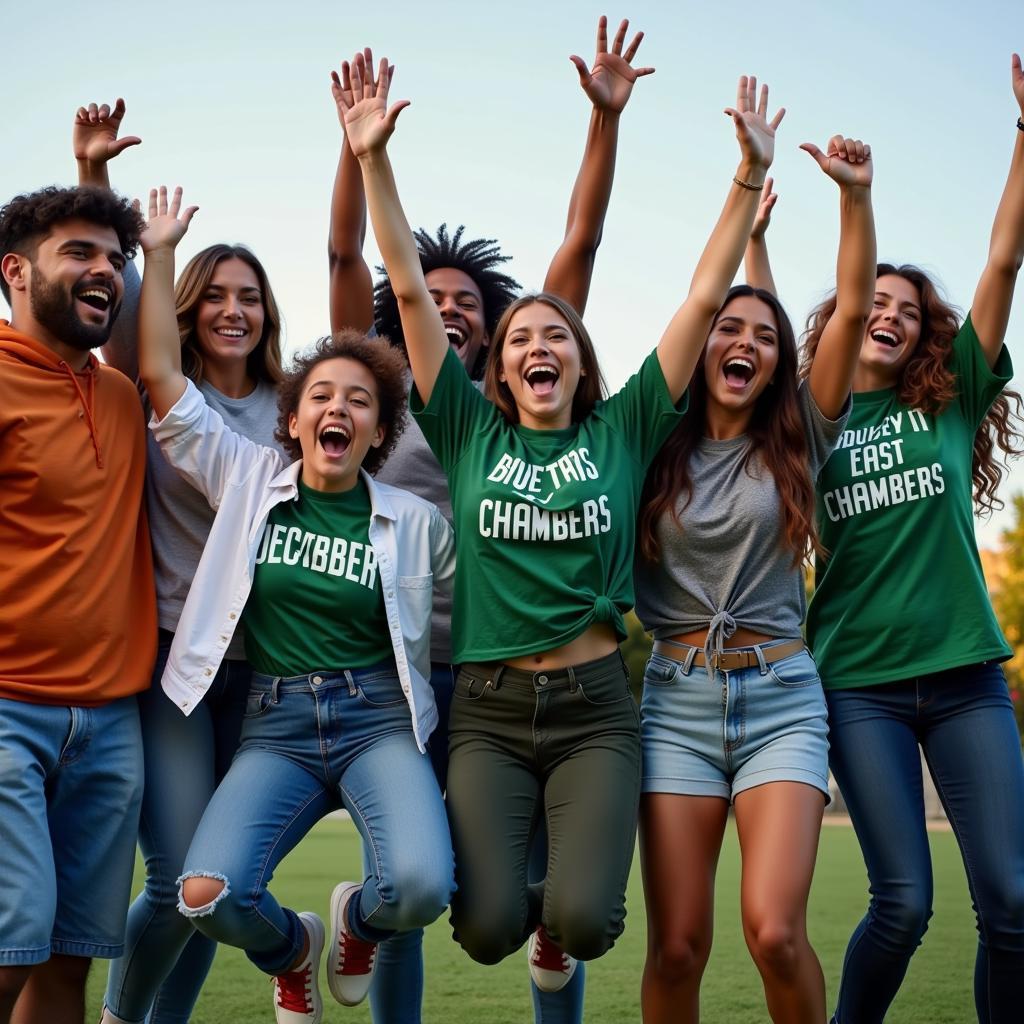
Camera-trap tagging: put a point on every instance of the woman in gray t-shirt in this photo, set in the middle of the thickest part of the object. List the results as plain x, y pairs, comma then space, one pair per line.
733, 710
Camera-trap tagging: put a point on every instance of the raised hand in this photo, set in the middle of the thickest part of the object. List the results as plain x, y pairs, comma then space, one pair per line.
341, 85
94, 136
755, 132
763, 217
367, 121
1017, 80
610, 81
846, 161
167, 223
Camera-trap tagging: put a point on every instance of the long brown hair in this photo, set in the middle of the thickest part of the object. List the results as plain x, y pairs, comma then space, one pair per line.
927, 383
777, 438
591, 388
264, 361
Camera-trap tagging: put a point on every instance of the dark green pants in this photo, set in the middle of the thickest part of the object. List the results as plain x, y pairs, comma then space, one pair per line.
564, 744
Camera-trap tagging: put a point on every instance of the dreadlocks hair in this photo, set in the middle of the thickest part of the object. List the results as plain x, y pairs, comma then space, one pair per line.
478, 258
777, 438
927, 383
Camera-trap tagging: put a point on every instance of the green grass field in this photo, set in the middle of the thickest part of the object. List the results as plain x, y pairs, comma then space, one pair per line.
937, 989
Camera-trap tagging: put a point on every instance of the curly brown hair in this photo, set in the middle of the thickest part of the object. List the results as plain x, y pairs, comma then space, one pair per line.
777, 436
264, 361
27, 219
927, 383
385, 363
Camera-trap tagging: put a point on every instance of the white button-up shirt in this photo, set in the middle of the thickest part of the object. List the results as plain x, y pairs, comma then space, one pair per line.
243, 481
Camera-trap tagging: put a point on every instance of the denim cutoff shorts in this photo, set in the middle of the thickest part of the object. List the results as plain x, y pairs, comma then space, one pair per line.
721, 733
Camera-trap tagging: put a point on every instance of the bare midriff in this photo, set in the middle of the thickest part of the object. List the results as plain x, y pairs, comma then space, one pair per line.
597, 642
741, 638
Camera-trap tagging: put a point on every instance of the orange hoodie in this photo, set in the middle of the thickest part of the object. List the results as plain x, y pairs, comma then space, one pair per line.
77, 603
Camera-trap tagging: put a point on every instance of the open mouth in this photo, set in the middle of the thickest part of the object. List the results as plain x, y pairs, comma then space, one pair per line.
96, 298
335, 440
541, 379
457, 337
886, 338
231, 333
738, 372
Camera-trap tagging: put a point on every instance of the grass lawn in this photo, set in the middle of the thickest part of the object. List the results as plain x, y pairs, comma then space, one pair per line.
937, 989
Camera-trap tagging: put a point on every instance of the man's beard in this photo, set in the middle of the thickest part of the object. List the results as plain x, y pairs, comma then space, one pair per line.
53, 306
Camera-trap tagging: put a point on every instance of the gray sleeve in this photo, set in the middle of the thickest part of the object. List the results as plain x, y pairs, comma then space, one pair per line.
121, 350
822, 433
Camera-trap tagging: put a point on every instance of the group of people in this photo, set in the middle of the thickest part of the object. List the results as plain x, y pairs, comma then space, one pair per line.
287, 597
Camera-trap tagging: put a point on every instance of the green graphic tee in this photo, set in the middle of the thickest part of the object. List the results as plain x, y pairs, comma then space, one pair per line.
902, 592
544, 519
316, 600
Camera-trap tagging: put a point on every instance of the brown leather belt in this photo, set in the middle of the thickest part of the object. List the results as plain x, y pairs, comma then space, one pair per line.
730, 659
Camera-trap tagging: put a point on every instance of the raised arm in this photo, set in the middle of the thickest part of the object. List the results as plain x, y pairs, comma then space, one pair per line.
608, 85
159, 344
757, 268
351, 284
681, 344
990, 311
369, 124
848, 163
94, 143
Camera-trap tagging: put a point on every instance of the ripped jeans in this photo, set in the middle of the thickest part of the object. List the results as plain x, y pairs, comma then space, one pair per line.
309, 744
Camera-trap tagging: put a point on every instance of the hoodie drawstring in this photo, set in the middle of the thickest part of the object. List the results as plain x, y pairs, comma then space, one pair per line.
87, 405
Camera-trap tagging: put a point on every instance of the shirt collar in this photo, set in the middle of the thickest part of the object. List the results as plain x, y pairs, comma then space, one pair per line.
288, 479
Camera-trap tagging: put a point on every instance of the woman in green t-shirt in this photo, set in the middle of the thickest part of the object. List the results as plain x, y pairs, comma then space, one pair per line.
901, 623
545, 478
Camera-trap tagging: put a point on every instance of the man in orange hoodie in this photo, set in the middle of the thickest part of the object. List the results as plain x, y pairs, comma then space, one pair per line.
77, 612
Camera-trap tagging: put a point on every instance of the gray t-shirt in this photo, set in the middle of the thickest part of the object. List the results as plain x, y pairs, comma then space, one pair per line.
179, 516
728, 566
412, 465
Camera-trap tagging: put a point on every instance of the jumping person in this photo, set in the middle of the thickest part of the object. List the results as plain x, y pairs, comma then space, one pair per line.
229, 330
733, 711
78, 618
471, 292
332, 575
545, 476
902, 626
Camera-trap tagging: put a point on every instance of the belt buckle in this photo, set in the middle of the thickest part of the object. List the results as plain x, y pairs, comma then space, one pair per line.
716, 660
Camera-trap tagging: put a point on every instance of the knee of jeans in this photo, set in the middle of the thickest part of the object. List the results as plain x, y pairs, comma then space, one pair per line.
419, 899
200, 893
487, 938
680, 958
1001, 917
583, 931
901, 921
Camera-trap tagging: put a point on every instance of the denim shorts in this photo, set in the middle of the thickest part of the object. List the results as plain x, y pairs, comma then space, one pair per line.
719, 734
70, 789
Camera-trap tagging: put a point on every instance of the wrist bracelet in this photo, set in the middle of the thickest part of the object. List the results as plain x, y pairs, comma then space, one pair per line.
750, 186
1020, 124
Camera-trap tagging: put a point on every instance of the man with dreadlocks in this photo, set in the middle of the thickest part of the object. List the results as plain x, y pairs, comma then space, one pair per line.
471, 292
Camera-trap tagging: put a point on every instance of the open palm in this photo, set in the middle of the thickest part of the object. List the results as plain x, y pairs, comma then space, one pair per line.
755, 132
367, 120
610, 82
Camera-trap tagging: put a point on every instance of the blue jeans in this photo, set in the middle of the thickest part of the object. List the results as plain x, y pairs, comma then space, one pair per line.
165, 960
963, 721
70, 786
310, 743
396, 996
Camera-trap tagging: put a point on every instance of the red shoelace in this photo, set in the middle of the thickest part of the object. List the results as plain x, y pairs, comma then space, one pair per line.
355, 954
293, 991
547, 955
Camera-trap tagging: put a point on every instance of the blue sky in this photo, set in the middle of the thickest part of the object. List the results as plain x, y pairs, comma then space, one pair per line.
232, 101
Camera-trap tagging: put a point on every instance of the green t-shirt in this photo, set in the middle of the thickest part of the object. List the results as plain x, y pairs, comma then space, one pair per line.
902, 592
544, 519
316, 600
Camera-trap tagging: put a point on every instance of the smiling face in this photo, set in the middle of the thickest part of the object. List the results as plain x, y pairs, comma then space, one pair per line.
230, 315
337, 422
893, 329
540, 363
73, 284
461, 306
741, 356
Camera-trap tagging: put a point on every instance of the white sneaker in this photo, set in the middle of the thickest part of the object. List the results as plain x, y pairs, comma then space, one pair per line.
351, 960
297, 993
550, 966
